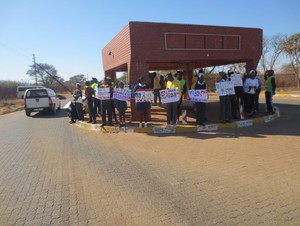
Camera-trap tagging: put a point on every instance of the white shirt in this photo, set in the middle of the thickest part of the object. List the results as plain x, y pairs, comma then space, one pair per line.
250, 82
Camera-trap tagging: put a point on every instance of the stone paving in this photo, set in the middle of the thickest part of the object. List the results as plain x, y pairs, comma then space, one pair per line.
53, 173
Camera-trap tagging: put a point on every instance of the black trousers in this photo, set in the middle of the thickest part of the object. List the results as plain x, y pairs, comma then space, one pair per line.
92, 116
200, 112
172, 112
256, 100
107, 108
269, 102
249, 103
225, 108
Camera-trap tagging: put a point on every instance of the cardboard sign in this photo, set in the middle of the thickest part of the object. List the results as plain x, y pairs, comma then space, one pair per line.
225, 88
169, 95
102, 93
122, 94
144, 96
236, 79
198, 95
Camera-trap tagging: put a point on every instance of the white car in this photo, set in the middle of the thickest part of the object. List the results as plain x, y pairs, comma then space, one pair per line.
41, 99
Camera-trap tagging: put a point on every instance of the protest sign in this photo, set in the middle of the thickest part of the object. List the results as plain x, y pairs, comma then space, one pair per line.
144, 96
169, 95
102, 93
236, 79
198, 95
122, 94
225, 88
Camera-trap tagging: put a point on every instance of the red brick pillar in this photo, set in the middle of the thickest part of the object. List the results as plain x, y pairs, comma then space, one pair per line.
135, 70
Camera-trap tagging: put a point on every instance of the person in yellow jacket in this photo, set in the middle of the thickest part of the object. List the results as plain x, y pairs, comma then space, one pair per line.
172, 107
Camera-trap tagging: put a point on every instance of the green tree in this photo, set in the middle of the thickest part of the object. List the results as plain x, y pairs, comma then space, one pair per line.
77, 79
291, 47
46, 74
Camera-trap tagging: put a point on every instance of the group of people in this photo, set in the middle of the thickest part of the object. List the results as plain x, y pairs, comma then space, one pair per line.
244, 100
246, 97
106, 108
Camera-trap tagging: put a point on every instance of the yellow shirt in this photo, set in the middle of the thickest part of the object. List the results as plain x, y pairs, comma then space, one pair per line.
174, 84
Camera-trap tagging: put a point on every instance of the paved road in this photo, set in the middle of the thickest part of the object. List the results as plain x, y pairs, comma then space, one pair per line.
53, 173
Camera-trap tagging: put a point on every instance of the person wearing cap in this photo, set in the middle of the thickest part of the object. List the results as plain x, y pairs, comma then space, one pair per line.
250, 86
200, 106
270, 90
172, 108
89, 93
225, 105
183, 89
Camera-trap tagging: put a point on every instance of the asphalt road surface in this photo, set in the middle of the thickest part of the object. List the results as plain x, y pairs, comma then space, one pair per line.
54, 173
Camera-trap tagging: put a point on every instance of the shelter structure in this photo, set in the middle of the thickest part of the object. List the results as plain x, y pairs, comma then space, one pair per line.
141, 47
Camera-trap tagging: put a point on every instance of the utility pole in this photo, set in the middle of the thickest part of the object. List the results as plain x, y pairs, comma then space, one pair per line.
33, 56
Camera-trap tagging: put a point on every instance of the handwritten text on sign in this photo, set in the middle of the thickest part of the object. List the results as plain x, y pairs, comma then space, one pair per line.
236, 79
122, 94
169, 95
225, 88
198, 95
144, 96
102, 93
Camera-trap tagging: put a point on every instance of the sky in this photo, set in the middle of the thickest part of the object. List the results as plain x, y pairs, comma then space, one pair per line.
70, 34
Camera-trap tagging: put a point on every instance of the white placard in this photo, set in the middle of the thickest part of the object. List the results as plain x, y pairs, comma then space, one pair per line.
225, 88
169, 95
102, 93
198, 95
122, 94
236, 79
144, 96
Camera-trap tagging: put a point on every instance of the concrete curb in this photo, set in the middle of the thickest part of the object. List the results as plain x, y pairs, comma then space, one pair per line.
181, 128
11, 110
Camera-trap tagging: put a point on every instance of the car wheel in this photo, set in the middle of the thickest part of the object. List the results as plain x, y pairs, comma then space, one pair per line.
54, 109
27, 112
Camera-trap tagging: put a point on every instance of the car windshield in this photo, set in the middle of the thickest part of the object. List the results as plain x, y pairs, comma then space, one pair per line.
37, 93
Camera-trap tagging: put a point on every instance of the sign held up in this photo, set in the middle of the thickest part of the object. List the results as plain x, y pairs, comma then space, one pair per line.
122, 94
169, 95
225, 88
102, 93
198, 95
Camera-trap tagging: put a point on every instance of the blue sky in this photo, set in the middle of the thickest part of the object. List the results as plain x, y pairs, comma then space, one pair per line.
70, 34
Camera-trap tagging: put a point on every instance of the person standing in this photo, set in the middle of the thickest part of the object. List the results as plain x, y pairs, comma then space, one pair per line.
232, 98
106, 105
270, 90
200, 106
257, 92
183, 89
157, 88
250, 86
225, 105
142, 107
172, 108
121, 106
89, 93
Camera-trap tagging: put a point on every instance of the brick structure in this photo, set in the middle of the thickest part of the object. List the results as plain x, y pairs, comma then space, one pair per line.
141, 47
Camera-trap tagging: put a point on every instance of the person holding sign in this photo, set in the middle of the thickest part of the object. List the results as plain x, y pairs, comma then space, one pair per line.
225, 105
200, 106
172, 108
250, 86
142, 107
106, 104
121, 106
